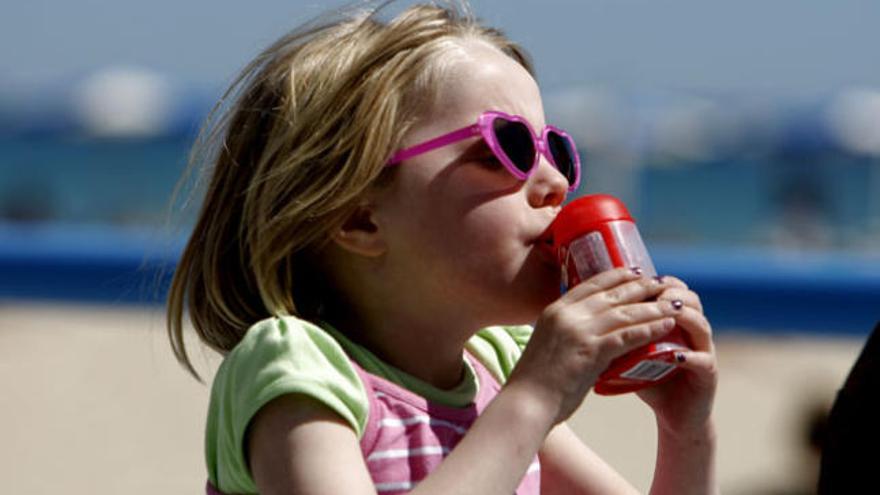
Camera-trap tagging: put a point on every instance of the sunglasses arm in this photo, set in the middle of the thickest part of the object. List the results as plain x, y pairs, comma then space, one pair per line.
437, 142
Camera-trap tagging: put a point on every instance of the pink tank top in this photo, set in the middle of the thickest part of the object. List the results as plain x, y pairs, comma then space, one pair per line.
407, 436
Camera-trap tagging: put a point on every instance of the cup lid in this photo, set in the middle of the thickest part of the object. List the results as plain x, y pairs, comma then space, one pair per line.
586, 214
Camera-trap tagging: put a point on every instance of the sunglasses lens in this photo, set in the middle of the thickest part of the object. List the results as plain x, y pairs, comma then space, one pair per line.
515, 139
564, 154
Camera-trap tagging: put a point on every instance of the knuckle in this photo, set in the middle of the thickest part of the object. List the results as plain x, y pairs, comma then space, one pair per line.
556, 316
674, 293
617, 340
657, 327
675, 281
590, 286
654, 287
568, 323
706, 325
713, 369
590, 344
626, 314
634, 335
613, 296
684, 292
621, 274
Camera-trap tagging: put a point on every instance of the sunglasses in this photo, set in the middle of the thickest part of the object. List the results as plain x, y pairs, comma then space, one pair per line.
515, 144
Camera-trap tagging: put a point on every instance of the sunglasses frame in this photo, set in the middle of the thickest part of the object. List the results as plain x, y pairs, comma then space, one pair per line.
485, 128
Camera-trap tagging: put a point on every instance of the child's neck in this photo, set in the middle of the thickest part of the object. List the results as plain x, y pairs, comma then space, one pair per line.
431, 352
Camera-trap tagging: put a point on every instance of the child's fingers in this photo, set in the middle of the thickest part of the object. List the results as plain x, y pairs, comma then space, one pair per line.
672, 281
687, 297
629, 315
702, 364
601, 282
619, 342
603, 292
642, 289
695, 361
697, 327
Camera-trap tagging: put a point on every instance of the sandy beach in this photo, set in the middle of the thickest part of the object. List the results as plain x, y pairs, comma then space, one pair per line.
93, 402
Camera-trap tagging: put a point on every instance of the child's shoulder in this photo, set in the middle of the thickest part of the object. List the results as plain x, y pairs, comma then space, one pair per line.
499, 347
285, 355
283, 334
286, 350
277, 356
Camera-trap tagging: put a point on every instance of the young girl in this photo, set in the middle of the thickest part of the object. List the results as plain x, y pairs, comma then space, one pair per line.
367, 257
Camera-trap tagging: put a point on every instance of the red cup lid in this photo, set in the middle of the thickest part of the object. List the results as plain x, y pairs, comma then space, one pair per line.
586, 214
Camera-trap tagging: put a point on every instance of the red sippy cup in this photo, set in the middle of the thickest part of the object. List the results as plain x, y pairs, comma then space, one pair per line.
596, 233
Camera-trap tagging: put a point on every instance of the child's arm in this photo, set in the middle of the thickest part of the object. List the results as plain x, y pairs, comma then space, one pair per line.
686, 435
684, 465
569, 467
298, 445
309, 451
686, 462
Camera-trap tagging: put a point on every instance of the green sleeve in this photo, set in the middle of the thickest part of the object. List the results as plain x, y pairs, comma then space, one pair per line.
277, 356
499, 348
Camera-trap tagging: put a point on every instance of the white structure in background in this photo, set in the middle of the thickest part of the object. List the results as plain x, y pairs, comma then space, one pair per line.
596, 119
854, 120
124, 103
683, 131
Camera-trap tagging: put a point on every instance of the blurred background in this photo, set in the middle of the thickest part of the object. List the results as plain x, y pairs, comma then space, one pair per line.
744, 137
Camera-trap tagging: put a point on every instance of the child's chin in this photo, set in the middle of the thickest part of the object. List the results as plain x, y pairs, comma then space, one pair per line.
547, 295
528, 312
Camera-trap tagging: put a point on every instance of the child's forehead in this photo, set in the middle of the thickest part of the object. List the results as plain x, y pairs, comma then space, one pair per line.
483, 78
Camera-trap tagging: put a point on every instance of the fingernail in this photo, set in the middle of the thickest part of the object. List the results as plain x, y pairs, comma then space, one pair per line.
680, 357
636, 270
658, 279
677, 304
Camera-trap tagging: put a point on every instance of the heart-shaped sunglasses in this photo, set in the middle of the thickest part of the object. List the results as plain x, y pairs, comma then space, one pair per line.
514, 143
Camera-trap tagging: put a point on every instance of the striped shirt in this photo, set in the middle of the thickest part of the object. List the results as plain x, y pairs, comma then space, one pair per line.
287, 355
407, 436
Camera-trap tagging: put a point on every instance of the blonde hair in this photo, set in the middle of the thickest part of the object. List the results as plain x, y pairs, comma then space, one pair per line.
299, 136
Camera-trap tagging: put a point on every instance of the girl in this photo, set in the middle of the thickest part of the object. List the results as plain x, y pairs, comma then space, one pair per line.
377, 195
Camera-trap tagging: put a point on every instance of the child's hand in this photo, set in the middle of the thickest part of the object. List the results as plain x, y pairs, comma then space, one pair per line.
684, 403
578, 335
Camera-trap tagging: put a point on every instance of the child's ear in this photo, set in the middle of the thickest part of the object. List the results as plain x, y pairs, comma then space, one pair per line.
360, 233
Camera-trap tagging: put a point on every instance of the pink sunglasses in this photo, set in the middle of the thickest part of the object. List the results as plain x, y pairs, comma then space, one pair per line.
514, 143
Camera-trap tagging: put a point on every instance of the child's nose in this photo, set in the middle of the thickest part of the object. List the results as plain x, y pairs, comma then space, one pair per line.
547, 186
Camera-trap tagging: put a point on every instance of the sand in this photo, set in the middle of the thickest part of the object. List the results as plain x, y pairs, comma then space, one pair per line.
94, 402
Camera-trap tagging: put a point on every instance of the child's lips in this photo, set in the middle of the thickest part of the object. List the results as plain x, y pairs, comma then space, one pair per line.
544, 246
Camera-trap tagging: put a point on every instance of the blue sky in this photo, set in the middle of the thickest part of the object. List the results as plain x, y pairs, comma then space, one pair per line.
791, 47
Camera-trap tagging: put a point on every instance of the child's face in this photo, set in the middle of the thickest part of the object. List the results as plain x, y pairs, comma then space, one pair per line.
462, 229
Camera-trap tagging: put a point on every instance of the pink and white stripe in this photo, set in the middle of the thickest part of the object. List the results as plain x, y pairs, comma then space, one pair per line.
408, 436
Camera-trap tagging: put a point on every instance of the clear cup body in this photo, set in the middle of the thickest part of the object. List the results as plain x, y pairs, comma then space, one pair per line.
617, 243
597, 250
